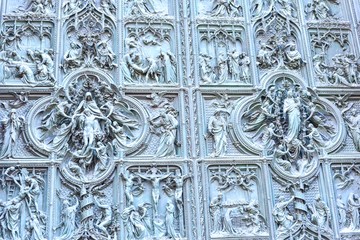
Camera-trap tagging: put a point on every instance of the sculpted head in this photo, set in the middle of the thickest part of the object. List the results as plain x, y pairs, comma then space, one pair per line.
88, 96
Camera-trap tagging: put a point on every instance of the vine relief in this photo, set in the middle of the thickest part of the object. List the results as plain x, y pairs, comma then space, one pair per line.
88, 123
154, 203
234, 207
149, 58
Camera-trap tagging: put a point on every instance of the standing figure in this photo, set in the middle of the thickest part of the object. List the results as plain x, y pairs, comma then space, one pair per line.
12, 126
353, 125
168, 124
217, 128
167, 68
341, 209
68, 219
282, 215
320, 213
206, 71
353, 208
216, 213
169, 221
12, 217
245, 66
292, 111
223, 68
234, 65
105, 56
155, 180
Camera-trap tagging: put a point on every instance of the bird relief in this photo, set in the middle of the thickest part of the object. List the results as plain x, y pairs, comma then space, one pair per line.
88, 123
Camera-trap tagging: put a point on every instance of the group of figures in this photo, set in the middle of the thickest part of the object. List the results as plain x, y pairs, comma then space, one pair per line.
105, 225
147, 63
88, 123
278, 51
239, 213
145, 220
37, 8
349, 212
35, 69
343, 70
289, 126
232, 66
320, 9
23, 189
318, 215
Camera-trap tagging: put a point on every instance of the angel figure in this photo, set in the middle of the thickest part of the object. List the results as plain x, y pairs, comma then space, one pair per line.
12, 126
20, 99
257, 115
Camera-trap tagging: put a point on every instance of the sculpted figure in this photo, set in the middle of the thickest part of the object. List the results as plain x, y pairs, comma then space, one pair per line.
2, 219
257, 7
264, 56
168, 123
72, 57
286, 8
169, 221
68, 219
106, 215
245, 65
133, 68
12, 217
35, 229
234, 65
224, 8
282, 215
292, 111
217, 128
71, 6
207, 74
142, 7
109, 7
25, 73
293, 57
133, 187
223, 68
167, 67
341, 210
353, 125
253, 216
155, 180
315, 137
105, 56
319, 10
320, 68
257, 118
176, 182
216, 213
12, 126
228, 225
134, 221
320, 213
354, 207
